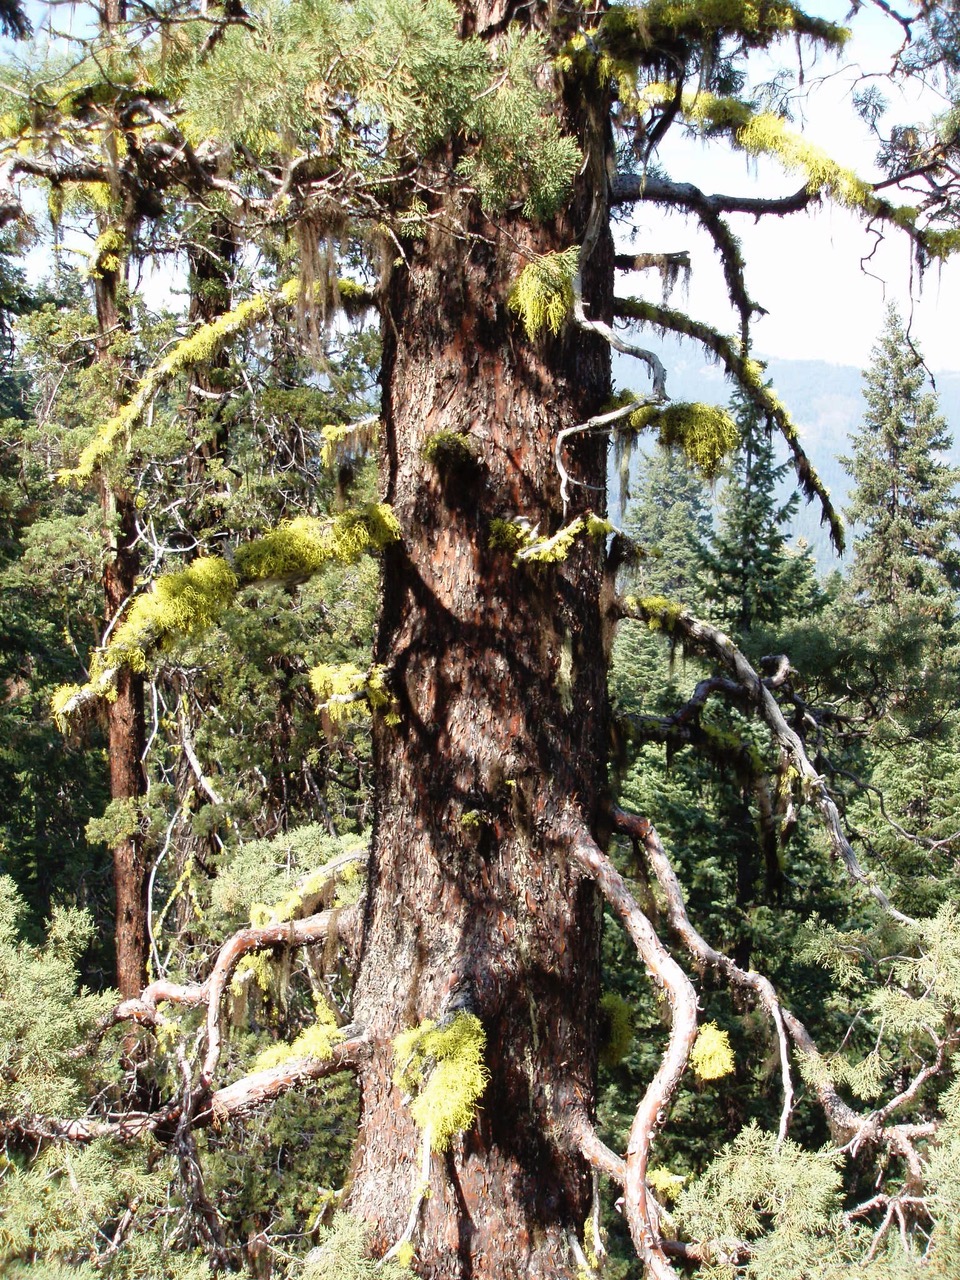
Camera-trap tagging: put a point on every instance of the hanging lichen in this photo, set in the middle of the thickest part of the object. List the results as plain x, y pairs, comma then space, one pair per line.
543, 294
315, 1041
748, 374
705, 432
616, 1028
711, 1056
443, 1068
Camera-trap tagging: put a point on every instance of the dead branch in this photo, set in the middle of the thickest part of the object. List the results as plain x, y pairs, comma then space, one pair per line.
713, 642
643, 832
215, 1108
628, 188
654, 1106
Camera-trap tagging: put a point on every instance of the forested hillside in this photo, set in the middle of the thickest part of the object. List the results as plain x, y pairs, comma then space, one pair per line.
448, 827
827, 403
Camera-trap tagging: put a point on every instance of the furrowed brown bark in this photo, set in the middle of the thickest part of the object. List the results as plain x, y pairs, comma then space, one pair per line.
499, 677
126, 727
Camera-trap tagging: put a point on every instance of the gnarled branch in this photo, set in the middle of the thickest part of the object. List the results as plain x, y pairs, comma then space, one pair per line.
713, 642
682, 998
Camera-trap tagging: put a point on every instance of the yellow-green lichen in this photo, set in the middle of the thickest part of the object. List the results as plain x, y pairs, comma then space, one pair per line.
108, 252
543, 294
316, 1041
506, 535
629, 34
706, 433
442, 1068
179, 604
61, 703
345, 692
448, 449
197, 348
341, 439
660, 613
711, 1056
764, 133
474, 819
667, 1185
301, 546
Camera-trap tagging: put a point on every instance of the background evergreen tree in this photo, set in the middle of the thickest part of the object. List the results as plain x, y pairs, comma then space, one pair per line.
904, 507
755, 579
454, 168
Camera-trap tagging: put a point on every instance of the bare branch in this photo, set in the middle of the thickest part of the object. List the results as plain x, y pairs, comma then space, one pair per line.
628, 188
654, 1106
643, 832
232, 1101
707, 639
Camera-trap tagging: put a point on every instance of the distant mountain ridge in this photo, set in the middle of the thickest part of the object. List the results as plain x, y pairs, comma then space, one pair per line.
824, 399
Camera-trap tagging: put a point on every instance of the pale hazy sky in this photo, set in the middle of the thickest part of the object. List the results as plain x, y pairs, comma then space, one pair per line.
805, 268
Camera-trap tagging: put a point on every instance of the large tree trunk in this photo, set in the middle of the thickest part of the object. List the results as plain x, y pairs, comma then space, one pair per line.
499, 675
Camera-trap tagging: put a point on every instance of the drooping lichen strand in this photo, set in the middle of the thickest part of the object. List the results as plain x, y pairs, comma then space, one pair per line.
179, 604
302, 546
711, 1056
443, 1068
748, 374
316, 1041
302, 897
616, 1020
705, 432
543, 294
198, 348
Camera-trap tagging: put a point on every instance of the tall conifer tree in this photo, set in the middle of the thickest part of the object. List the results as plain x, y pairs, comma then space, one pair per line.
905, 504
456, 166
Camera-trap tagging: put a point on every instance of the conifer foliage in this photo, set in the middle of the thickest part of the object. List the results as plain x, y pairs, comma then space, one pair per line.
345, 1047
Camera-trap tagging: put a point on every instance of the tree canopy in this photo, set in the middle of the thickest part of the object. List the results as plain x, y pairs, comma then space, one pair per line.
431, 957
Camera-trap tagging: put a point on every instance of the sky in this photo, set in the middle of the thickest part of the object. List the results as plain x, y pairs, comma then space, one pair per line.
806, 268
